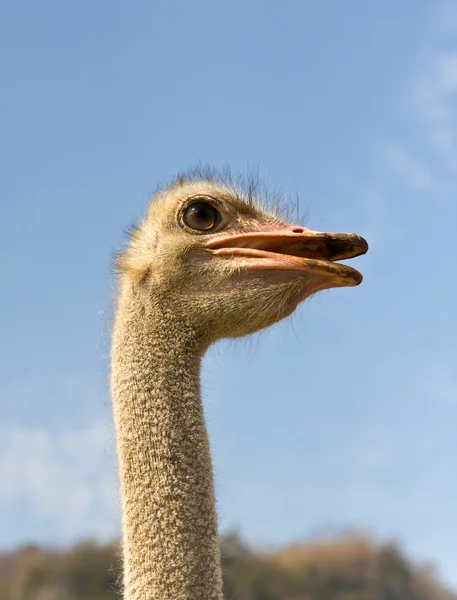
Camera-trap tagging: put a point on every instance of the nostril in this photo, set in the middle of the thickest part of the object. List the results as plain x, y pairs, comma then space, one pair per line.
298, 230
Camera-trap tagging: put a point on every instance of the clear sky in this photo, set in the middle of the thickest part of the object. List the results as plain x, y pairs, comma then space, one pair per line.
344, 416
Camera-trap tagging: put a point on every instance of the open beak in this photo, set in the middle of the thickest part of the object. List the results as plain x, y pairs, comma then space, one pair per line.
295, 249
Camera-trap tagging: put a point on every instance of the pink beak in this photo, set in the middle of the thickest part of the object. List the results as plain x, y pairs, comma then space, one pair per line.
295, 248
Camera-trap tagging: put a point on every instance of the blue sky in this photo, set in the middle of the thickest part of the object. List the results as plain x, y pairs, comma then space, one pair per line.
344, 416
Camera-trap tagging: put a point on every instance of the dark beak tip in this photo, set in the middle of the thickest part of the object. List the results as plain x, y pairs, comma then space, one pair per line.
362, 248
359, 244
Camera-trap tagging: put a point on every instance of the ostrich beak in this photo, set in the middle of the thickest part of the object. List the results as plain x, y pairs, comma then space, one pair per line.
295, 248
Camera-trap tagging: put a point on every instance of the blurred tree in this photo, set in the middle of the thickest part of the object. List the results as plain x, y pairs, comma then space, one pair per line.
350, 568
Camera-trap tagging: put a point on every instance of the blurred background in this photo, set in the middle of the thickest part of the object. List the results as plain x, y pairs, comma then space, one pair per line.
336, 429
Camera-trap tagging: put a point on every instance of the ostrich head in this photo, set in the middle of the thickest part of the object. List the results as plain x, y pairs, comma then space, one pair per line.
223, 265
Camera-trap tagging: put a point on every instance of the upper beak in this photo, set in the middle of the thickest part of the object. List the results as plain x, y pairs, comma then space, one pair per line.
296, 248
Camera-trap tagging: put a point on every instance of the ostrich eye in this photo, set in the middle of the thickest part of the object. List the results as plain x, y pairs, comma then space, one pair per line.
201, 216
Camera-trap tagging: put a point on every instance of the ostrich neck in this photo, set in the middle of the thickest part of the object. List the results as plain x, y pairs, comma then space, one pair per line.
170, 542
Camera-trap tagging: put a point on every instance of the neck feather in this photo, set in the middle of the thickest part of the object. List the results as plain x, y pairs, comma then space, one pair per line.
170, 542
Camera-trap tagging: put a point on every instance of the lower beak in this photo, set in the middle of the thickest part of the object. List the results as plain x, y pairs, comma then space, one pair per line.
295, 249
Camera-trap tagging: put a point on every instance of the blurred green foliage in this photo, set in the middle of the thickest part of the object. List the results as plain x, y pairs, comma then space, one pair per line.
349, 568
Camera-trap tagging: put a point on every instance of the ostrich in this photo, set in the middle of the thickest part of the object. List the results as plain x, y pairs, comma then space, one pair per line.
207, 262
